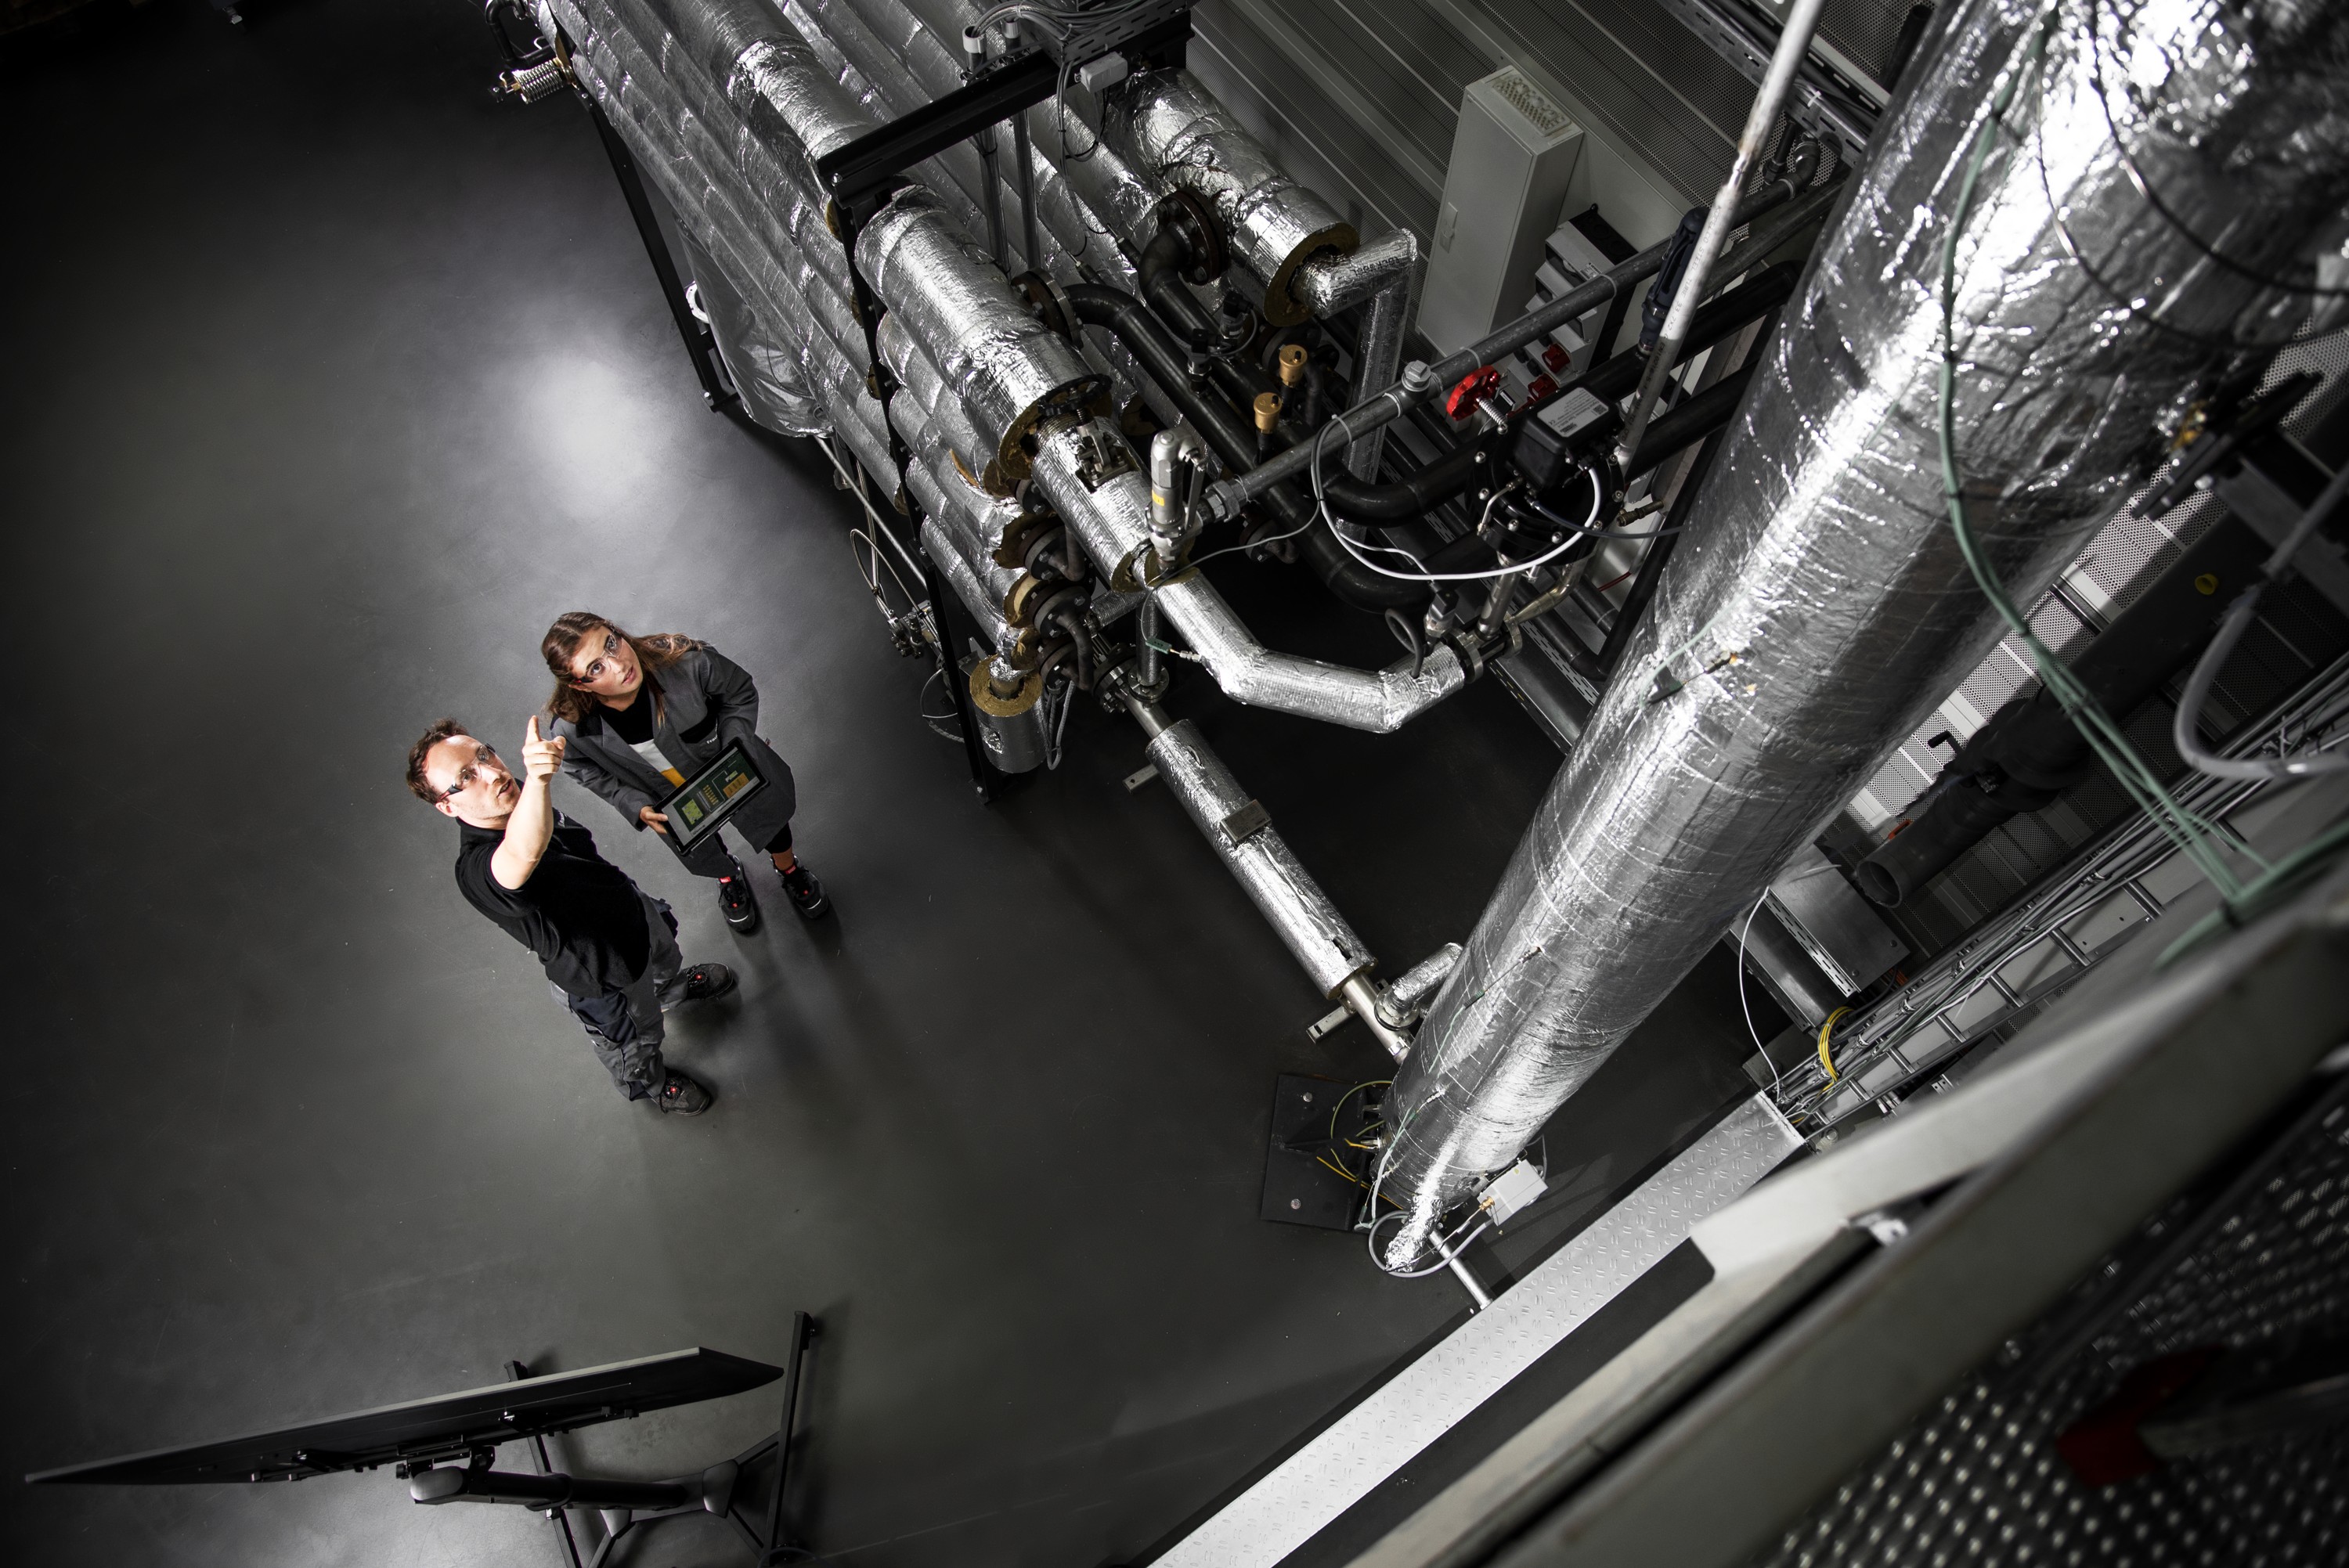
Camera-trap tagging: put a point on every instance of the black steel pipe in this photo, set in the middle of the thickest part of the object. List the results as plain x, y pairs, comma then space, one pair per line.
1456, 470
1722, 316
1390, 404
1651, 564
1147, 339
1691, 419
2031, 751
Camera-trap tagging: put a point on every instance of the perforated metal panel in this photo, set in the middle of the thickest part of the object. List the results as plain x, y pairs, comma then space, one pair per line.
1977, 1479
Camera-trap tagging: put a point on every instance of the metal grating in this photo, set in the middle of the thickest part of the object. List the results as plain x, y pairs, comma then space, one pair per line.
1976, 1479
1865, 31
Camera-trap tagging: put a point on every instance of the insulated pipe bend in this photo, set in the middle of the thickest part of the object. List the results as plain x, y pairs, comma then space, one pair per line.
1387, 272
1379, 701
1112, 521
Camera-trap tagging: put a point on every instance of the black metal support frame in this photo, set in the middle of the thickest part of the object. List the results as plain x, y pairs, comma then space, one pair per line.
701, 344
625, 1507
862, 174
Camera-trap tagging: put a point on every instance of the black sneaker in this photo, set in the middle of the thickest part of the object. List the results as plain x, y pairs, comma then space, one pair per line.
698, 984
807, 894
739, 904
680, 1096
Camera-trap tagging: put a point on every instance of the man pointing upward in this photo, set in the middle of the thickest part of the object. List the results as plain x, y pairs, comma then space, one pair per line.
609, 948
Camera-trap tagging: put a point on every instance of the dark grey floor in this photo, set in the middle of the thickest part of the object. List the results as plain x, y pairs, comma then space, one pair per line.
328, 383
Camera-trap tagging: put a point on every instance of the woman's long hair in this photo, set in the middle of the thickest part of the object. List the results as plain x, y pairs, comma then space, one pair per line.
655, 652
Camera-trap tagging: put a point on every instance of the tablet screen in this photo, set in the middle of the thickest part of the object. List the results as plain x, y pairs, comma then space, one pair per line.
706, 798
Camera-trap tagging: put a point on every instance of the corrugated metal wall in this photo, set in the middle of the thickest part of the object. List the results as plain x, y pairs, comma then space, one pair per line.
1358, 97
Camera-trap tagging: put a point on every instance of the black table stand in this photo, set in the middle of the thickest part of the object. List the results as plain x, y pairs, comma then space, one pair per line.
622, 1506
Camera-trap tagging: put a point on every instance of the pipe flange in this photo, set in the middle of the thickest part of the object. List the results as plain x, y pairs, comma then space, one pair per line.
1205, 256
1035, 555
1053, 604
1011, 550
984, 699
1051, 303
1281, 305
1019, 603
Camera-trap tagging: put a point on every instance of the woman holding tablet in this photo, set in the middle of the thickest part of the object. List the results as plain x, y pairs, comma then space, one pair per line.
642, 715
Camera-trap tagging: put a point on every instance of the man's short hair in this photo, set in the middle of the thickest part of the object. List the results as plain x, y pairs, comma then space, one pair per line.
443, 729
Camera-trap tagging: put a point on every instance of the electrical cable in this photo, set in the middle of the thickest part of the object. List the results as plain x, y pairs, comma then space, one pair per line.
1457, 1245
2190, 833
2287, 876
1077, 30
1321, 511
2185, 727
1826, 1029
938, 721
2145, 186
1604, 536
1060, 726
1745, 1006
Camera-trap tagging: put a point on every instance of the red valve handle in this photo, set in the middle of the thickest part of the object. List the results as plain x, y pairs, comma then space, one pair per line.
1473, 389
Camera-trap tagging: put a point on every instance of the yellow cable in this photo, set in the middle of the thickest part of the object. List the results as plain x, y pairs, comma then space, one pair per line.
1825, 1060
1349, 1175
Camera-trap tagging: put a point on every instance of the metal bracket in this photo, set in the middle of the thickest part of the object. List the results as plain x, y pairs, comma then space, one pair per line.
854, 174
1247, 823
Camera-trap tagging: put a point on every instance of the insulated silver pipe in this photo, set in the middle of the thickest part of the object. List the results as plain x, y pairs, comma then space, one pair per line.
1171, 129
956, 569
931, 404
648, 112
1008, 369
1379, 701
1260, 860
1825, 609
1112, 521
1387, 272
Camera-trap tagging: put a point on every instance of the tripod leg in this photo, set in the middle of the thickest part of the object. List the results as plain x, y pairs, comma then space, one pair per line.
515, 1373
801, 1327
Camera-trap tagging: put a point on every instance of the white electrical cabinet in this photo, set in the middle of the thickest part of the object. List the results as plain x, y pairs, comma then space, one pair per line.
1512, 158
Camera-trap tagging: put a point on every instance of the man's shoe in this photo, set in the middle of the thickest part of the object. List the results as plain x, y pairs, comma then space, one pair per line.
680, 1096
807, 894
698, 984
739, 904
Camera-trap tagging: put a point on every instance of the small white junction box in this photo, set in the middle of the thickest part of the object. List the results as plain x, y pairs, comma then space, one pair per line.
1512, 1191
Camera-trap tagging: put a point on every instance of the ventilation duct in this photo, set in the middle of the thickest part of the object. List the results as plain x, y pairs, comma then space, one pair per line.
2165, 169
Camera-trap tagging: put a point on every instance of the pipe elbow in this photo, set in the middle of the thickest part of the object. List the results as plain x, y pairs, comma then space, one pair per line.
1331, 283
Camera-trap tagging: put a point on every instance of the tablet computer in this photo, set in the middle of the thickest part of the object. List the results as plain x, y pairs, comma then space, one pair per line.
705, 800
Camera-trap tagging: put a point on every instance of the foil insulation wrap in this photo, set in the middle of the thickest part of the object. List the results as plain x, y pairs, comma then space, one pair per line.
766, 71
1819, 608
1112, 523
956, 568
1008, 369
955, 175
1387, 273
923, 410
1168, 126
1259, 860
719, 105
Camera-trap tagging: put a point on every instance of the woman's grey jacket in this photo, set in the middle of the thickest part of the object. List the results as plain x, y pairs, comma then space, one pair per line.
705, 700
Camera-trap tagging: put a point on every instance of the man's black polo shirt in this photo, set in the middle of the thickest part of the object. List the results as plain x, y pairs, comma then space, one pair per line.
578, 912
